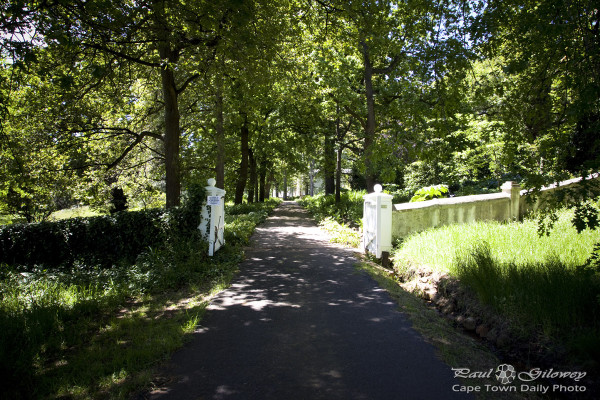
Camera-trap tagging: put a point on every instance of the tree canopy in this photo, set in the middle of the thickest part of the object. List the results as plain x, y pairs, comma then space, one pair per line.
147, 97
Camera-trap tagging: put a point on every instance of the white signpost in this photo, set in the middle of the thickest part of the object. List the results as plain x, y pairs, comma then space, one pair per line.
212, 226
213, 200
377, 223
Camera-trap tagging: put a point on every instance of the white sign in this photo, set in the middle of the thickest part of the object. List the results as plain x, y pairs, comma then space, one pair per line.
213, 200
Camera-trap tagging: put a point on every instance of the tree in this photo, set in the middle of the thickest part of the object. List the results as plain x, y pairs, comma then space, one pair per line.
177, 40
550, 55
378, 55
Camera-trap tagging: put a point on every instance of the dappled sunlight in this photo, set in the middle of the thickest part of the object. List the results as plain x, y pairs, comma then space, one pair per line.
300, 316
251, 301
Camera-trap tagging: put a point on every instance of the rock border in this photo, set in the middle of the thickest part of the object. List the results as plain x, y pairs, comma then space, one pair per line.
457, 303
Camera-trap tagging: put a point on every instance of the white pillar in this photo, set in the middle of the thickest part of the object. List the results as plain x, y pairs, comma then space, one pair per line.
377, 222
212, 226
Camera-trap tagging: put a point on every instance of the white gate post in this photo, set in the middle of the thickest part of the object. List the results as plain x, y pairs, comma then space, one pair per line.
212, 226
377, 223
513, 189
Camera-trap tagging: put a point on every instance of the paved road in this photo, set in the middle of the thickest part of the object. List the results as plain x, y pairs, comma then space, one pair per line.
299, 322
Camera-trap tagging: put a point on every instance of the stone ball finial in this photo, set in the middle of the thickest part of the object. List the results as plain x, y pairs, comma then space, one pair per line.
211, 182
377, 188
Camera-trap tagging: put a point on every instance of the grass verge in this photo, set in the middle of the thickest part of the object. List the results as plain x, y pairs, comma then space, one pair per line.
90, 333
546, 289
455, 348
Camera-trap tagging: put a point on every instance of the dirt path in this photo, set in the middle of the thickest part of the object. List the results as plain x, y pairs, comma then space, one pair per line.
299, 322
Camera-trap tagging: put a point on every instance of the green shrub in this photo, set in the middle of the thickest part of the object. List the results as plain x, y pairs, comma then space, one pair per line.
241, 219
430, 192
246, 208
101, 240
401, 195
348, 211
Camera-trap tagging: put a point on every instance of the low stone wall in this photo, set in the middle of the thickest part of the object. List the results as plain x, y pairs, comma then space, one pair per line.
419, 216
530, 202
415, 217
511, 204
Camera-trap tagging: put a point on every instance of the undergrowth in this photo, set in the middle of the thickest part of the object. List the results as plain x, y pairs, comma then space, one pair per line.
83, 331
340, 233
348, 211
341, 220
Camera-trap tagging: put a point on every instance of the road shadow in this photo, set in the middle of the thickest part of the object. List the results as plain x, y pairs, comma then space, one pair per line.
301, 322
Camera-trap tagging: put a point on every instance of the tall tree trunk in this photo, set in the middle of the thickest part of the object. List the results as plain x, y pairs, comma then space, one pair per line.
262, 182
338, 175
169, 58
270, 181
252, 183
243, 173
220, 134
256, 184
370, 127
285, 185
329, 163
172, 168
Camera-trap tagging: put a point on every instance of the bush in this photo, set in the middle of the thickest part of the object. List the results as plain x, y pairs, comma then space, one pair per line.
348, 211
430, 192
246, 208
241, 219
100, 240
401, 195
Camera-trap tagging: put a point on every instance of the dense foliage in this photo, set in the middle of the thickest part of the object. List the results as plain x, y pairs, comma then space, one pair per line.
101, 98
430, 192
348, 210
84, 331
98, 241
102, 240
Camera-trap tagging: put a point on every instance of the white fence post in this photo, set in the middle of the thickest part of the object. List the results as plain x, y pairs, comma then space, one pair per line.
212, 226
377, 223
513, 190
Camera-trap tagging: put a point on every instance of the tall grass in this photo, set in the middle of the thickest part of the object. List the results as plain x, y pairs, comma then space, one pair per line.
516, 242
546, 285
547, 294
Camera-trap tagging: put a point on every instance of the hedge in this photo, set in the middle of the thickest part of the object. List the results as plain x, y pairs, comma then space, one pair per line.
101, 240
97, 241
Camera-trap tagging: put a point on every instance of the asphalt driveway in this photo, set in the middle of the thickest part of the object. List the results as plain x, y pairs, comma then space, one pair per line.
300, 322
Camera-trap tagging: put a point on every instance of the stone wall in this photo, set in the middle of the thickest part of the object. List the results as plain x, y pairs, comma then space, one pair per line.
532, 202
419, 216
511, 204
